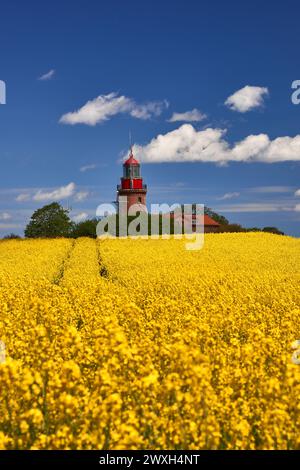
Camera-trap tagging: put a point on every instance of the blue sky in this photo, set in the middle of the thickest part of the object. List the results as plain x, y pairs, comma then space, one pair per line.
139, 64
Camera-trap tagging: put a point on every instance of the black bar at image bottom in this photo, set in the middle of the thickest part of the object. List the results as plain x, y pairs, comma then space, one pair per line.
140, 458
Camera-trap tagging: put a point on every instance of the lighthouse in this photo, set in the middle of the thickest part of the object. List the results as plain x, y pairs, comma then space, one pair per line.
132, 185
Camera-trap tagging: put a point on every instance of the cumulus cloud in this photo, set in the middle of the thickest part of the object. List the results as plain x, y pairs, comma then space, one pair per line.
81, 195
80, 217
57, 194
228, 196
297, 193
5, 216
186, 144
297, 207
247, 98
189, 116
48, 194
104, 107
47, 76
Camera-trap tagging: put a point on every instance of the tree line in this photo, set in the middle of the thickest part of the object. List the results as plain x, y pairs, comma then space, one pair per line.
53, 221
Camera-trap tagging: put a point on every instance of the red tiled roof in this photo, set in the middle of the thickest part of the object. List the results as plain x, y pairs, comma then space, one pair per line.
209, 221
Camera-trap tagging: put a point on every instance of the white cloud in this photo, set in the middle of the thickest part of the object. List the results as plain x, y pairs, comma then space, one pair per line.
228, 196
81, 195
80, 217
271, 189
255, 207
247, 98
189, 116
63, 192
147, 110
57, 194
104, 107
47, 76
85, 168
5, 216
297, 207
186, 144
297, 193
23, 197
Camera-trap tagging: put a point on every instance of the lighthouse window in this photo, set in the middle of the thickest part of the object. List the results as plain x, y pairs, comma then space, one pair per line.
131, 172
135, 171
139, 199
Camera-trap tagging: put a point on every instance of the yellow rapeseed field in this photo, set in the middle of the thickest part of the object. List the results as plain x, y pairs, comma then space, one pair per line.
140, 344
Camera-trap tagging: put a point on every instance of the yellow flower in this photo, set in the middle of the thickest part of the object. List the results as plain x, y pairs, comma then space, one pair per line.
169, 349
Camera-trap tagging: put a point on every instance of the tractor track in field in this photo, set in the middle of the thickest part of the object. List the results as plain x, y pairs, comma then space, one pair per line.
60, 274
103, 271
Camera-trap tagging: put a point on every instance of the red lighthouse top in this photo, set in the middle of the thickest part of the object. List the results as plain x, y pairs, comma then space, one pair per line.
132, 179
131, 160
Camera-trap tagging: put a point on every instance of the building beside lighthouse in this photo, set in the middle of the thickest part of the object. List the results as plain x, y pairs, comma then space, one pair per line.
132, 185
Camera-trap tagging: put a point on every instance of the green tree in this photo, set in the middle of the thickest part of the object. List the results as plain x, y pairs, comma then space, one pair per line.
232, 228
11, 236
253, 229
273, 230
86, 228
51, 221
